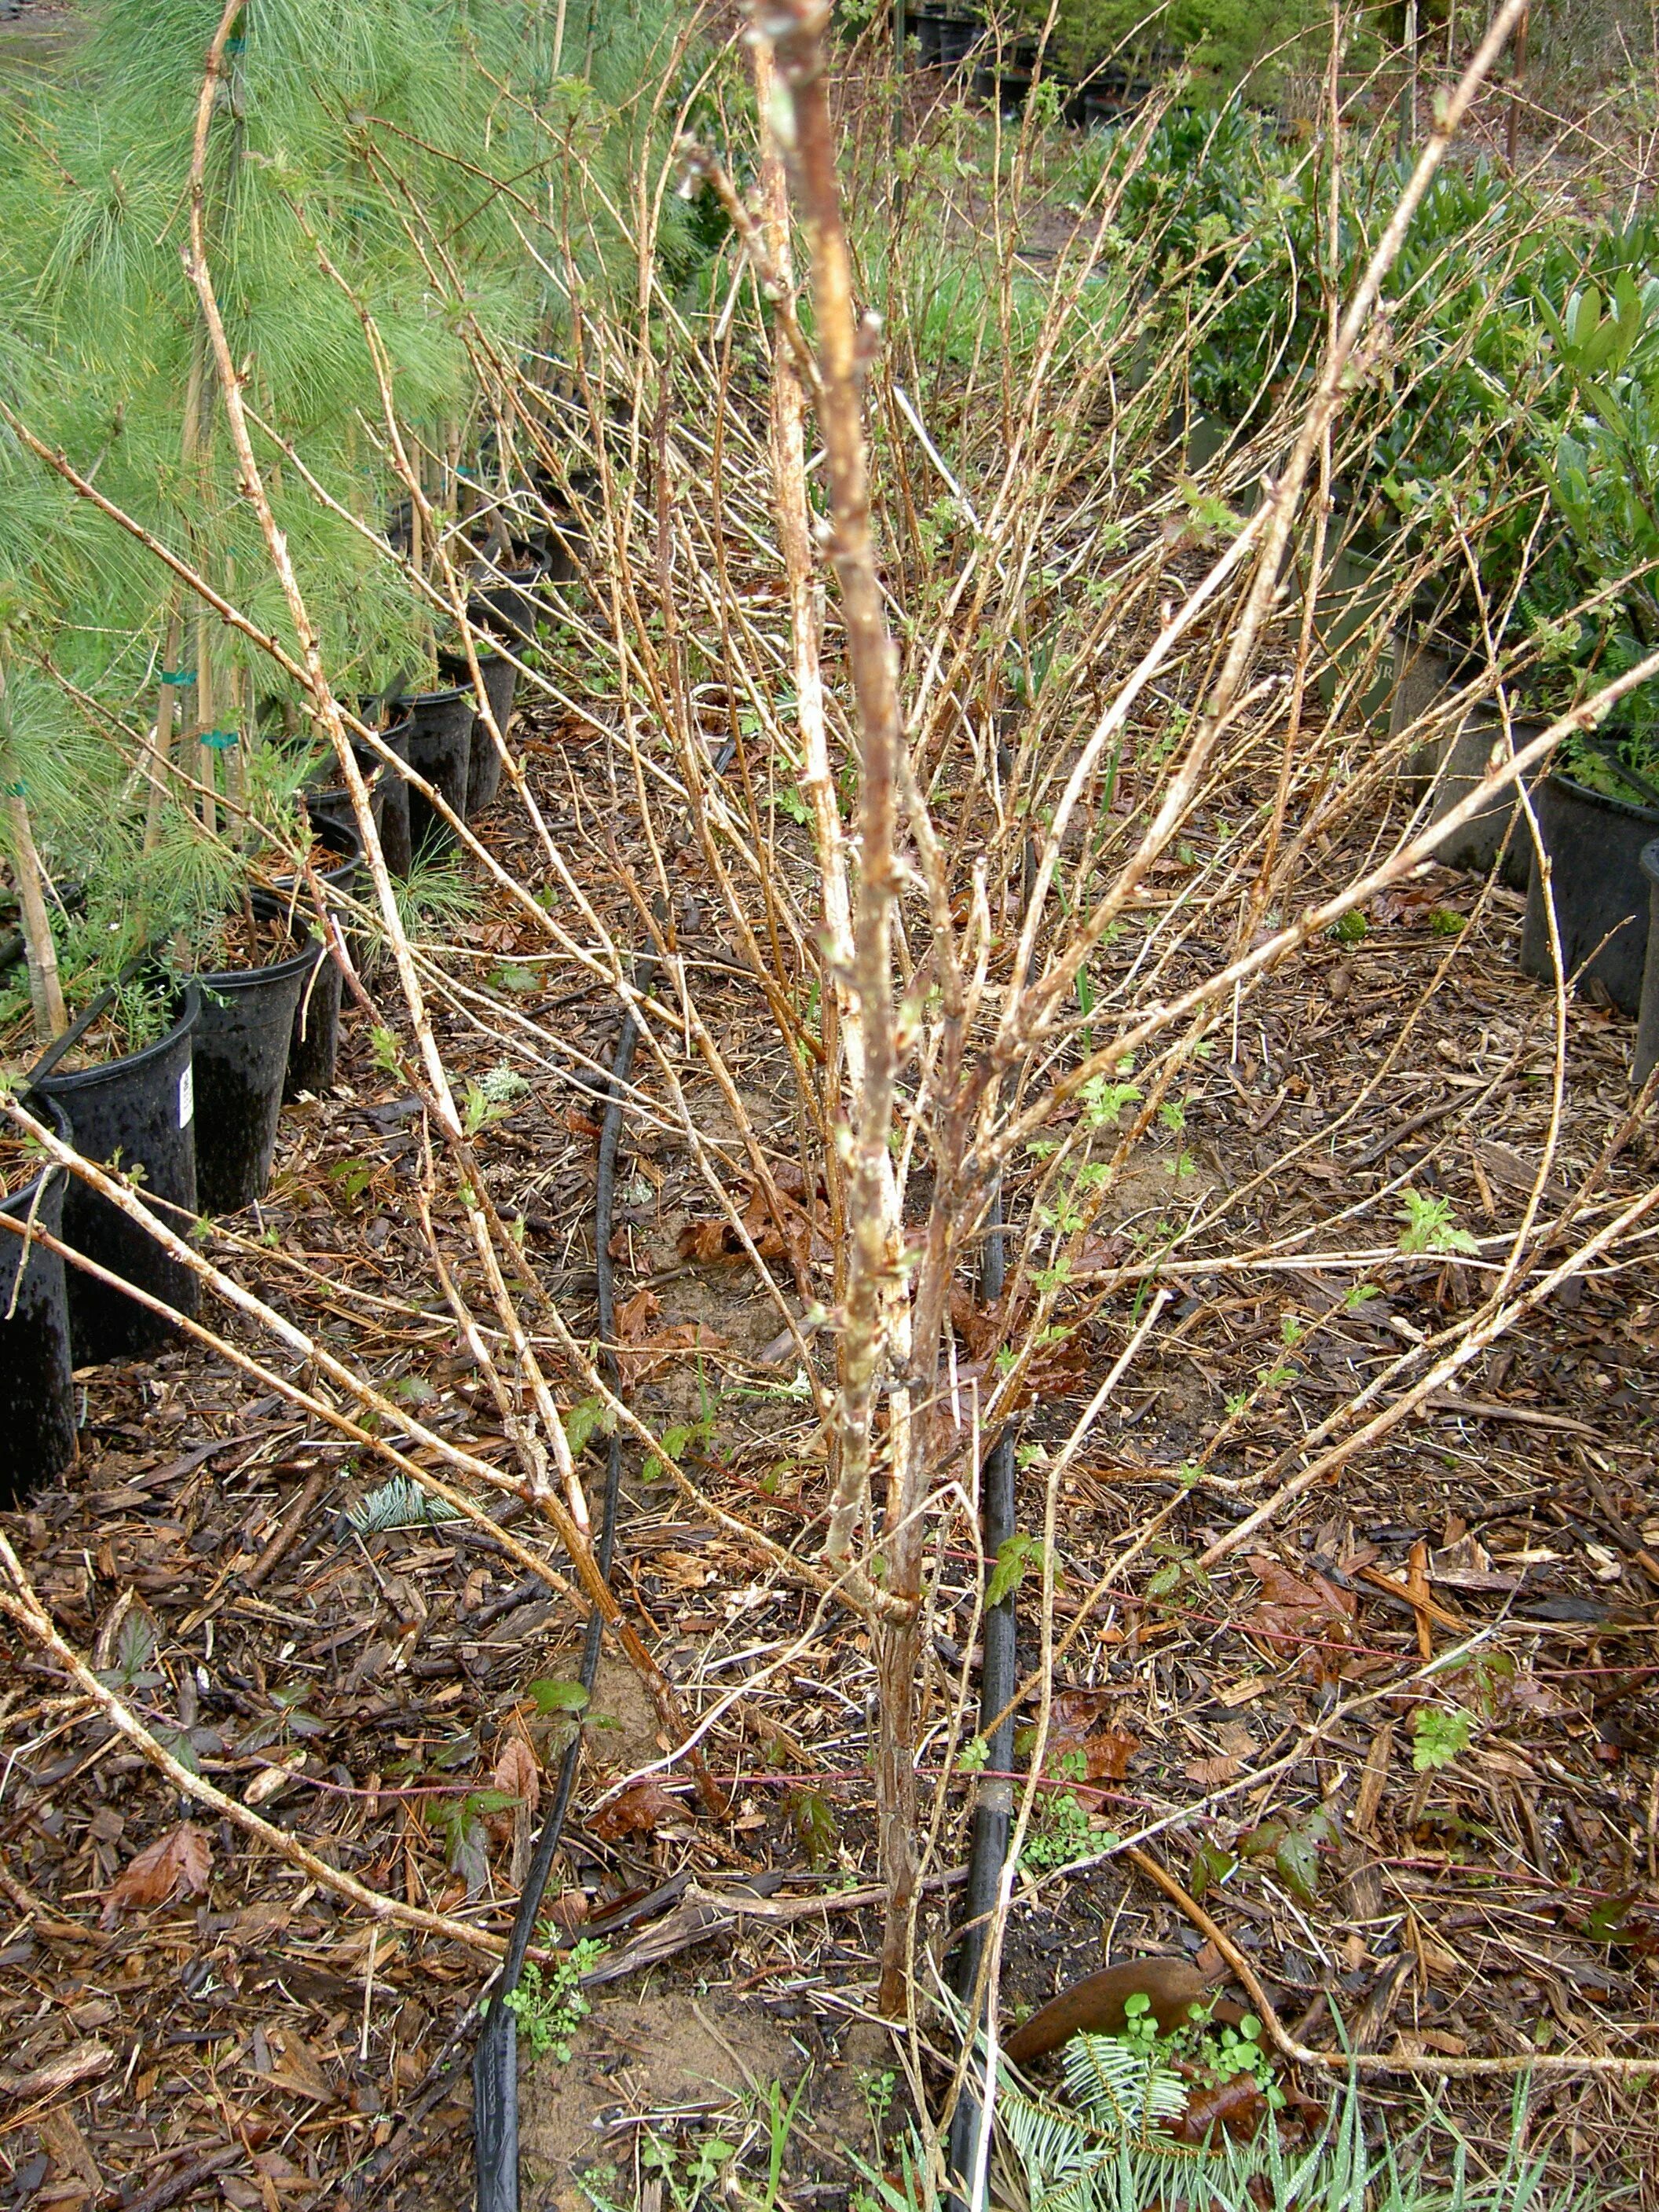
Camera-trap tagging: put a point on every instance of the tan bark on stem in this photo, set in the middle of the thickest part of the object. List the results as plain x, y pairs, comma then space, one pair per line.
875, 1333
44, 990
788, 417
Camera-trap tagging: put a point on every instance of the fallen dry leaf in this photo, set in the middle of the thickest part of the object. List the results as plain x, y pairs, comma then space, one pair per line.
517, 1773
1235, 2107
1301, 1616
634, 1315
176, 1863
703, 1243
645, 1357
1105, 1752
645, 1805
1211, 1773
300, 2071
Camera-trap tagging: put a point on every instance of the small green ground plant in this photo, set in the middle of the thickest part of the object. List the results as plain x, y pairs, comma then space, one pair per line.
551, 2005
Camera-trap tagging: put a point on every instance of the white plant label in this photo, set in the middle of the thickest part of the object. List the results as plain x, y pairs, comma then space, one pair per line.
186, 1094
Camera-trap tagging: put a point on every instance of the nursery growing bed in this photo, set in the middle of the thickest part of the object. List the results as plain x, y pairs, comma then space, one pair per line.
1502, 1904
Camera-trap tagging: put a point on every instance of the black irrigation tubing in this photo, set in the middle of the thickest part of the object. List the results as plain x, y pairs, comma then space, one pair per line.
83, 1021
496, 2059
993, 1796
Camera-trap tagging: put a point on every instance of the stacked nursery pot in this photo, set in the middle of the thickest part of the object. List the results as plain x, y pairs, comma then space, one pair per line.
500, 678
37, 1377
134, 1107
388, 791
1460, 741
1647, 1019
1597, 889
314, 1040
249, 1010
439, 748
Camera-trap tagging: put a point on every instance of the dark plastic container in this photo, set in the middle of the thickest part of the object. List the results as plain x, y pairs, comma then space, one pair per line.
1598, 889
388, 798
37, 1377
506, 607
1647, 1019
1448, 765
141, 1110
501, 682
391, 796
958, 37
241, 1061
441, 749
313, 1048
345, 874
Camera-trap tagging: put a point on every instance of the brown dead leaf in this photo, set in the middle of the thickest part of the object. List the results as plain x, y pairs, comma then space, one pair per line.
703, 1243
634, 1315
1408, 904
1106, 1752
1211, 1773
1236, 2108
1301, 1616
300, 2071
652, 1352
177, 1864
517, 1773
646, 1806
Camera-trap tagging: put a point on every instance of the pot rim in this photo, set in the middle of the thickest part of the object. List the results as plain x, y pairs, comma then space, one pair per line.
83, 1078
225, 981
24, 1196
1626, 807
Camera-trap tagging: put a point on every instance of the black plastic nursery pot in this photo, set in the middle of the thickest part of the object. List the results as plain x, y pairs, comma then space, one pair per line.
1447, 767
506, 608
1647, 1017
441, 749
37, 1367
242, 1042
1597, 888
1349, 611
314, 1043
388, 797
500, 682
138, 1110
958, 36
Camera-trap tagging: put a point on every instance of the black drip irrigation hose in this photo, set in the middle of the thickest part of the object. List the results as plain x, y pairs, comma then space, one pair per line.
993, 1796
496, 2059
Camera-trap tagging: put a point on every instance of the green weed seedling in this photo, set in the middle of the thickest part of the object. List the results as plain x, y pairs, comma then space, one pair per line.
1059, 1834
1439, 1737
1430, 1226
550, 2007
1212, 2048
